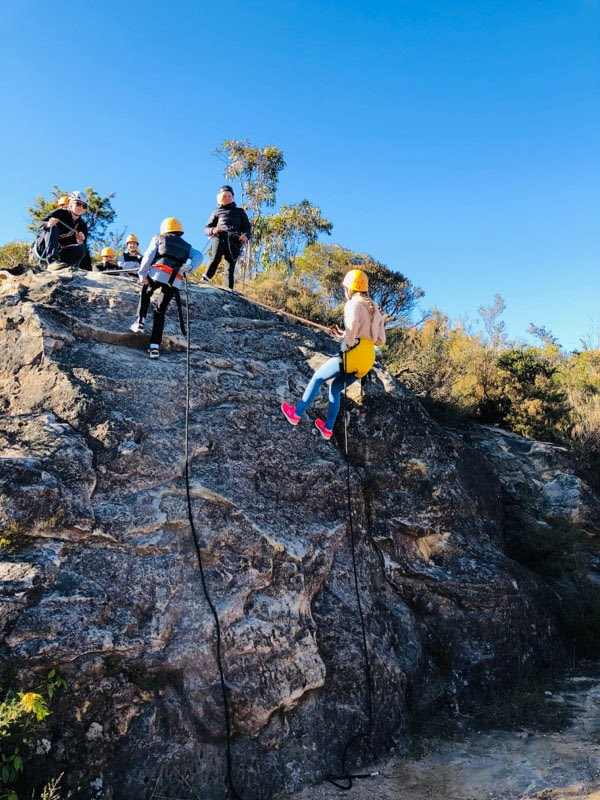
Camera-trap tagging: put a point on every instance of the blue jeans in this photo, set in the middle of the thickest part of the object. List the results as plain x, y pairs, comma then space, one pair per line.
330, 369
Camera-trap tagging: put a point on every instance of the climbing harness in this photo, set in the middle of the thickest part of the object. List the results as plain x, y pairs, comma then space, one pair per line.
358, 359
346, 776
234, 794
37, 255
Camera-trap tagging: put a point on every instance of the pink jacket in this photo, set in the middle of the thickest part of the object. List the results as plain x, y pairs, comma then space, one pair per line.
363, 320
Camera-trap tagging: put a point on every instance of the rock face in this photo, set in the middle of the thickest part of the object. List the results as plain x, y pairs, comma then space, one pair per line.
105, 586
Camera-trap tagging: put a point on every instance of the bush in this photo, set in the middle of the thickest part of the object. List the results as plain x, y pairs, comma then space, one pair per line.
556, 550
21, 715
14, 253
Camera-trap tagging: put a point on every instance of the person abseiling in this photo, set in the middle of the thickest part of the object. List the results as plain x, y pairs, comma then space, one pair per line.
63, 202
62, 233
131, 255
162, 268
363, 329
108, 260
229, 228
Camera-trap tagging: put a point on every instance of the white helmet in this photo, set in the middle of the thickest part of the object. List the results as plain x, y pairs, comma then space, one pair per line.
78, 197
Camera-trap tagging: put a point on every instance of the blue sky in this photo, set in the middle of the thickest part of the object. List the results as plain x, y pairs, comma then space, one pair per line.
458, 142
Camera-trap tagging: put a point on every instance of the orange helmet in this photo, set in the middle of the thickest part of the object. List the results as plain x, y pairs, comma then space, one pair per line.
356, 280
171, 225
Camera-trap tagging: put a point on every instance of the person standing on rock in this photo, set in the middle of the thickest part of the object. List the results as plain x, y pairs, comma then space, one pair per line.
363, 329
229, 228
62, 234
162, 269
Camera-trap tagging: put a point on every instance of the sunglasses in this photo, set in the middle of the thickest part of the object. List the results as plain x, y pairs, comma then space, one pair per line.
79, 203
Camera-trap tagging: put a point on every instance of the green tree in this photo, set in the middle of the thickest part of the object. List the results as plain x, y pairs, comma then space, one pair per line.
257, 170
99, 216
323, 266
290, 229
537, 400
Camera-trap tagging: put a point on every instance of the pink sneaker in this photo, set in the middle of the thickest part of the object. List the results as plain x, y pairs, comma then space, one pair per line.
290, 413
326, 434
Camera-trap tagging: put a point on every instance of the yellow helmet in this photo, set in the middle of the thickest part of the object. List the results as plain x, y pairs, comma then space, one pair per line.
356, 280
62, 201
107, 252
171, 225
132, 238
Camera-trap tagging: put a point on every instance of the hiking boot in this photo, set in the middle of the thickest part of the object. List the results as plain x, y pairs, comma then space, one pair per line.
153, 352
205, 279
290, 413
325, 433
54, 266
137, 327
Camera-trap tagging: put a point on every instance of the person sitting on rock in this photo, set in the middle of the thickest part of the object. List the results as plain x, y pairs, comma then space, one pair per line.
363, 329
108, 260
62, 234
131, 255
229, 228
162, 268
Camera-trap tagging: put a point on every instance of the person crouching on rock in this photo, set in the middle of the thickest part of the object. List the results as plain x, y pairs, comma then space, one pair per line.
363, 329
107, 260
229, 229
61, 237
131, 255
162, 269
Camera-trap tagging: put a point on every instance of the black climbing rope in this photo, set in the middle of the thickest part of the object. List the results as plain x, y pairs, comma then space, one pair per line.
234, 794
345, 778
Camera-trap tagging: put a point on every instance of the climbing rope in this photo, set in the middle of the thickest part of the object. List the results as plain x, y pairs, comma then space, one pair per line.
230, 783
346, 776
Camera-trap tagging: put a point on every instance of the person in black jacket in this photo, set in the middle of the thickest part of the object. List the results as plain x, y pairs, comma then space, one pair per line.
62, 234
229, 228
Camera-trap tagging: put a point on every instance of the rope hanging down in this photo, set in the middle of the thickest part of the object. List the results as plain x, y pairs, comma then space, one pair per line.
234, 794
346, 776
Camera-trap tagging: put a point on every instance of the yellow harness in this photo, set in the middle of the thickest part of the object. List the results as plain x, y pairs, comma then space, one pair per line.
359, 359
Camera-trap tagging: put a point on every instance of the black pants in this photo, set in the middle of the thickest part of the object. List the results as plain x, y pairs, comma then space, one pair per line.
167, 293
48, 245
227, 247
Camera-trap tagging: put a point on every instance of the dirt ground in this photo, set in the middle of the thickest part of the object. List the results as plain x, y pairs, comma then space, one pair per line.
496, 765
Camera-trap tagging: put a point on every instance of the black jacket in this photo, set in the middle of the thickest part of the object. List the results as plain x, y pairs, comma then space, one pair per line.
65, 236
229, 217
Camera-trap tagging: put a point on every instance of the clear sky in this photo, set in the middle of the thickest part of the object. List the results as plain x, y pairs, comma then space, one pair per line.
457, 141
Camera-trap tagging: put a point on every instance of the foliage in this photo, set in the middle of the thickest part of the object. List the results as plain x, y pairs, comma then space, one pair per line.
114, 239
286, 232
560, 552
293, 296
537, 391
13, 253
99, 216
536, 401
494, 326
12, 538
21, 714
323, 266
555, 550
256, 168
